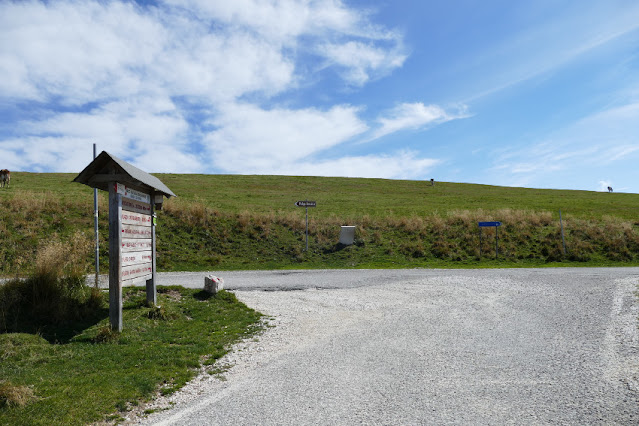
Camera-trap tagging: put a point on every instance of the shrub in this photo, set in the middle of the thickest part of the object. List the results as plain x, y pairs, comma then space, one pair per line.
56, 291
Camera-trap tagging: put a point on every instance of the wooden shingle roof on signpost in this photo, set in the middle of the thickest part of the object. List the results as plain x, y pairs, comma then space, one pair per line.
107, 168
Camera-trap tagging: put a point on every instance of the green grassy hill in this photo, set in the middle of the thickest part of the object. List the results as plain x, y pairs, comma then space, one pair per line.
250, 222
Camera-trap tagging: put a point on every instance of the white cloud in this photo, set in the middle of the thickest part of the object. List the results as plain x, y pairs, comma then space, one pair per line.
401, 165
79, 52
253, 140
45, 154
285, 20
87, 52
130, 78
146, 131
361, 62
414, 116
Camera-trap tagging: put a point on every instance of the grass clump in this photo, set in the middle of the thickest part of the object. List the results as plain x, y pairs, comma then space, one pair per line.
55, 293
161, 313
105, 334
14, 396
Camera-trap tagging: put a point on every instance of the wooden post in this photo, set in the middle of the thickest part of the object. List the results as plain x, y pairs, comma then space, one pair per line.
496, 242
115, 256
480, 243
151, 293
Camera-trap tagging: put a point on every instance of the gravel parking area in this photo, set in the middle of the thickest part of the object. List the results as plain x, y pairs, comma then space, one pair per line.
556, 346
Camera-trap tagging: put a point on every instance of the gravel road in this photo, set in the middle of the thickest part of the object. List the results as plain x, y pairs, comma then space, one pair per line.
388, 347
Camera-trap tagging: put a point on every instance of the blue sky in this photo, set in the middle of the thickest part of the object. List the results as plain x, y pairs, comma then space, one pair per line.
540, 94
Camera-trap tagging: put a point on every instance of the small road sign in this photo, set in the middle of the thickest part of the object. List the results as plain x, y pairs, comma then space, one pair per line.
306, 204
486, 224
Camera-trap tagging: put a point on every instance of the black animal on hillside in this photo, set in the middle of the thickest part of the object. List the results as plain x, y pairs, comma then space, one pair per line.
5, 177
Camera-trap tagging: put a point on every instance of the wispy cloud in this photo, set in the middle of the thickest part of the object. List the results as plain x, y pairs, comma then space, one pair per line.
361, 62
415, 116
396, 165
599, 140
549, 45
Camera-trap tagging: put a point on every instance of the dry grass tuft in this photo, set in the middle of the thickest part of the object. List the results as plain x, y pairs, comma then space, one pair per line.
194, 213
57, 258
14, 395
56, 290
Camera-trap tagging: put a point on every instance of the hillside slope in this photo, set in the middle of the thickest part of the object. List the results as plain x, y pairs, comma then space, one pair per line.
250, 222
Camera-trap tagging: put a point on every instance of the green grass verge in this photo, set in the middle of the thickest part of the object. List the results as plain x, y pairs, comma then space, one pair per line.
92, 375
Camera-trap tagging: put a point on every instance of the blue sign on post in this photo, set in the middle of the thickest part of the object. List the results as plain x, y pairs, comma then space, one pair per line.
486, 224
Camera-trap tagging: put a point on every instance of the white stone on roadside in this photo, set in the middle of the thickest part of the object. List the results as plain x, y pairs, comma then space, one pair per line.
213, 284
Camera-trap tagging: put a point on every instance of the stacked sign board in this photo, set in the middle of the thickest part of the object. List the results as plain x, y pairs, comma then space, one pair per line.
136, 242
133, 197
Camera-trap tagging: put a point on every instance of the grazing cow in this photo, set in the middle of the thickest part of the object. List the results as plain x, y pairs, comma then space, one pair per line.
610, 189
5, 177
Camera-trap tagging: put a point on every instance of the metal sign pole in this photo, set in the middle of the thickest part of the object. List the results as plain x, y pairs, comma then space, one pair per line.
306, 228
563, 240
496, 225
306, 204
97, 234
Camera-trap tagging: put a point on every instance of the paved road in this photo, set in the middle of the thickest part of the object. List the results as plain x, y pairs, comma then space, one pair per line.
543, 346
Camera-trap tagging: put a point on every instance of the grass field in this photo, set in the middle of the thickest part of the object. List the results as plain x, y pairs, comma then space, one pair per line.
345, 197
78, 372
250, 222
375, 198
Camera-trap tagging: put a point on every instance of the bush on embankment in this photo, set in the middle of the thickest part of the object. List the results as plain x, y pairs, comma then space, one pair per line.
54, 293
194, 236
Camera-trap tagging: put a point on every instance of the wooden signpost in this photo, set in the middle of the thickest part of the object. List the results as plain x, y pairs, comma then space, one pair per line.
134, 196
131, 246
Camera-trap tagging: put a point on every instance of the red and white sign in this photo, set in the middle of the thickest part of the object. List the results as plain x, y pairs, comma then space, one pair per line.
143, 271
131, 218
136, 206
136, 258
132, 193
135, 231
129, 245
